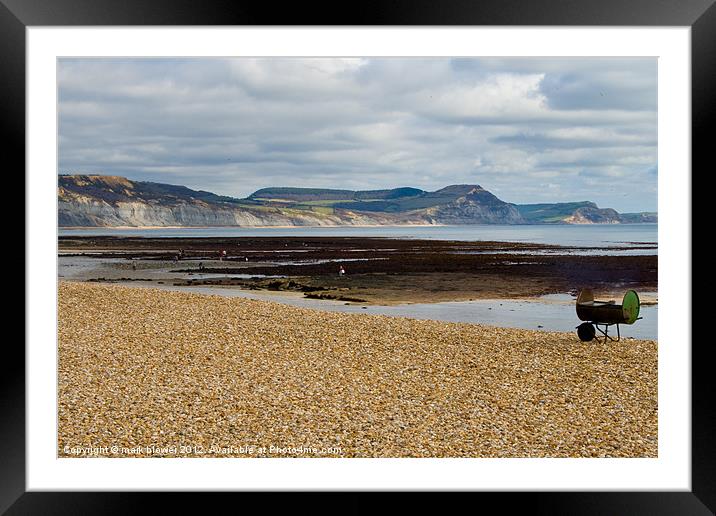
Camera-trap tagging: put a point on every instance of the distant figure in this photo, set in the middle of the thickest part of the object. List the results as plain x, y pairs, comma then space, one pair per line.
134, 266
175, 258
201, 266
247, 258
341, 271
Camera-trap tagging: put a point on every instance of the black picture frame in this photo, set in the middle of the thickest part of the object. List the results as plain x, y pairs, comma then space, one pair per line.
16, 15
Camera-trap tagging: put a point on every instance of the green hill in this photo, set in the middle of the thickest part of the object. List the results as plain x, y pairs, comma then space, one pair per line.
95, 200
551, 213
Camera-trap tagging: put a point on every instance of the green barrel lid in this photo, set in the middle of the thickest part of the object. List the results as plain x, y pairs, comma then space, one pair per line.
630, 307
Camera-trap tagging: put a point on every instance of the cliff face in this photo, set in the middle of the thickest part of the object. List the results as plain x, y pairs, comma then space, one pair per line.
477, 206
646, 217
116, 201
99, 213
85, 200
593, 215
80, 211
582, 212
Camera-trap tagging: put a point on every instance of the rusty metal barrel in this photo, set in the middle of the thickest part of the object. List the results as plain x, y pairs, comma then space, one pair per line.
608, 312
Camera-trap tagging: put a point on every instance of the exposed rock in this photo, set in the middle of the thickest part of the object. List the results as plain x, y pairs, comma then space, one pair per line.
593, 215
477, 206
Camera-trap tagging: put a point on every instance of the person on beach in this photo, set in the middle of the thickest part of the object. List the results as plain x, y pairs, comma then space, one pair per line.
201, 266
341, 271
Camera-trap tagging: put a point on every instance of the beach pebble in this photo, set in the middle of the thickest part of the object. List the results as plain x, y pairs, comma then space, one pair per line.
175, 374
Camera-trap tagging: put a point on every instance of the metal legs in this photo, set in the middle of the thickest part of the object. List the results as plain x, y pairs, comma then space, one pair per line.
605, 332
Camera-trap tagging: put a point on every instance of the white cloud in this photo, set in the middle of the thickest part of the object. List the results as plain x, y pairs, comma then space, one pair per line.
235, 125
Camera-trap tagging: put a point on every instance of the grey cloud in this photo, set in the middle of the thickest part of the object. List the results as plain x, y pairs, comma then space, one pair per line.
526, 128
624, 83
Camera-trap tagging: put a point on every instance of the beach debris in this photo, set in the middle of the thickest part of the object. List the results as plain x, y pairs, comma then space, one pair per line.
605, 313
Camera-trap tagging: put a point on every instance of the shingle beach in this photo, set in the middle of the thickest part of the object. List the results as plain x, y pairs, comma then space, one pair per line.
145, 372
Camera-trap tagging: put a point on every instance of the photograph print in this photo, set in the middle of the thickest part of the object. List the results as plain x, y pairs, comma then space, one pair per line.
357, 257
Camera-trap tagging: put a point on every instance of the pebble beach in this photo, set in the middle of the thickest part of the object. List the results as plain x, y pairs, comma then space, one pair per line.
153, 373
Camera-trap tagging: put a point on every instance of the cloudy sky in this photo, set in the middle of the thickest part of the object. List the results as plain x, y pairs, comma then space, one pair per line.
528, 129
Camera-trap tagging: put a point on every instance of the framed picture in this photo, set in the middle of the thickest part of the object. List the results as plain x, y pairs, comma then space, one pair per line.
616, 63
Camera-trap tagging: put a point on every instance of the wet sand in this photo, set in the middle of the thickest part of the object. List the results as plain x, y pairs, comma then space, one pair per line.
378, 270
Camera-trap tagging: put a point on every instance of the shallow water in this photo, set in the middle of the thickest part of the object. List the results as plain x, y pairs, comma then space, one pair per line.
555, 312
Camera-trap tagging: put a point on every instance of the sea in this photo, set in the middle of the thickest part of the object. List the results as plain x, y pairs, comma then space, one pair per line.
586, 235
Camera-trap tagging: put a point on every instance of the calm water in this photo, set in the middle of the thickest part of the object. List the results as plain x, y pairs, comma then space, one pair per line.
591, 235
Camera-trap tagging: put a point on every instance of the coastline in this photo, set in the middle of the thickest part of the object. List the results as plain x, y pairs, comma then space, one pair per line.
342, 226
